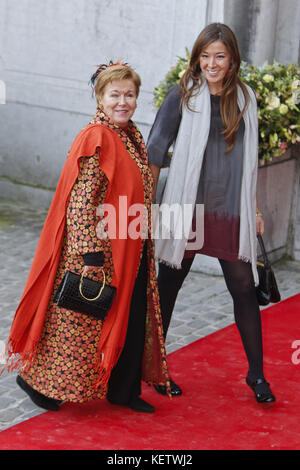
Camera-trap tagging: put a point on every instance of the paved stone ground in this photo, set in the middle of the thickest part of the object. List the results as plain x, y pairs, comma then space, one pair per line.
203, 306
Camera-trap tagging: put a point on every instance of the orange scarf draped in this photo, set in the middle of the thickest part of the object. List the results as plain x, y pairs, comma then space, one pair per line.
124, 179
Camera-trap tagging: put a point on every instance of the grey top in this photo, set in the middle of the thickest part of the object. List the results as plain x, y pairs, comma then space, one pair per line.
221, 174
164, 130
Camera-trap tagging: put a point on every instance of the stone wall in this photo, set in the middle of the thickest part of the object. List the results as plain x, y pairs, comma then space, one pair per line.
48, 51
266, 29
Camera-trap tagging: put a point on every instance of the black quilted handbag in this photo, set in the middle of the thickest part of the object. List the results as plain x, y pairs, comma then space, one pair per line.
267, 290
84, 295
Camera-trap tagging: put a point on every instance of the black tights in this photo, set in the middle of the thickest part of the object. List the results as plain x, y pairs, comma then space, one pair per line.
239, 280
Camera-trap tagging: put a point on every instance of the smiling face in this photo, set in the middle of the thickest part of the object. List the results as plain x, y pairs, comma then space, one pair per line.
119, 101
215, 63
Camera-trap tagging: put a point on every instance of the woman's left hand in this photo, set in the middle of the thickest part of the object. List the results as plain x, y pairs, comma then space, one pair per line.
260, 225
91, 269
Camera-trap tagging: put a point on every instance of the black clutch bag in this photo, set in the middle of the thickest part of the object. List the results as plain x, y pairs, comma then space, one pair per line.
267, 290
84, 295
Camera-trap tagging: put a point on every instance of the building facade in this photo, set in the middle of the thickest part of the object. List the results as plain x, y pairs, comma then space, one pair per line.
48, 52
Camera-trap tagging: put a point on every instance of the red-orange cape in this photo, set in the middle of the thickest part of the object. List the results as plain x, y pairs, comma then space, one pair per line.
124, 179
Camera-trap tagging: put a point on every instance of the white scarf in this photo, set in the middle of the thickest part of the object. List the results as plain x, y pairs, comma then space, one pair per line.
184, 173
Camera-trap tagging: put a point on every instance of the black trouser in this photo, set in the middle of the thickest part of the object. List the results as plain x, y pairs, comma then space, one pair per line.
125, 380
239, 280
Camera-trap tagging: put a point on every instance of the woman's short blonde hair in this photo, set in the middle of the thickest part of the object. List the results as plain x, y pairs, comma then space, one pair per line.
116, 72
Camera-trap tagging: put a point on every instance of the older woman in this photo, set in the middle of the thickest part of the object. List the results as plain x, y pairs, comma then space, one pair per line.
69, 356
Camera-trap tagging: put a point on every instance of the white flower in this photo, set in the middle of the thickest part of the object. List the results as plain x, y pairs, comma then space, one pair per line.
293, 100
273, 102
268, 78
295, 84
296, 97
283, 109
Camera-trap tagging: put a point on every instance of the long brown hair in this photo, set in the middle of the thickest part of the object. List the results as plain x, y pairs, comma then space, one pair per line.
231, 117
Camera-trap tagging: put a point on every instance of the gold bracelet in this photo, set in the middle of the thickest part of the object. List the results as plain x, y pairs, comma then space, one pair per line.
258, 213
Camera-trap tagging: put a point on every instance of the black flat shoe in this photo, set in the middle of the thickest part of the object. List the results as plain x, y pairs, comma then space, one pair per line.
136, 404
38, 398
175, 389
141, 406
262, 390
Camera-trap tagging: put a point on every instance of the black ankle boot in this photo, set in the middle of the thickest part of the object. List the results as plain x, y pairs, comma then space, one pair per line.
38, 398
261, 390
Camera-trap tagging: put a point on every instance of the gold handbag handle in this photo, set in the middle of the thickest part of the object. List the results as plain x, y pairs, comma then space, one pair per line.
100, 291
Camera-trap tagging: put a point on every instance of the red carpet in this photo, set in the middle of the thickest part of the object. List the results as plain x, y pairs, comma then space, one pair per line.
217, 410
